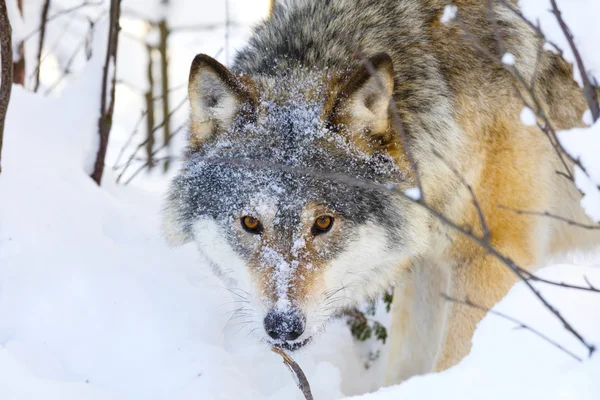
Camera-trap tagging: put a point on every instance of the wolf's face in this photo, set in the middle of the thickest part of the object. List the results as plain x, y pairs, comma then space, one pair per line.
272, 195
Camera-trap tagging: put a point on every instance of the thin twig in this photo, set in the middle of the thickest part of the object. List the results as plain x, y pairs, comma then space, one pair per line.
61, 13
588, 89
552, 216
164, 73
43, 23
302, 382
474, 201
141, 145
520, 324
80, 45
154, 160
150, 109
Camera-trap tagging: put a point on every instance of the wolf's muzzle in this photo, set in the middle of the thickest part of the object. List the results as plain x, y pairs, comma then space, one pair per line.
286, 325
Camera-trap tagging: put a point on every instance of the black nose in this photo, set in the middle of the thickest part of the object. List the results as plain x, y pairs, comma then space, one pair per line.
287, 325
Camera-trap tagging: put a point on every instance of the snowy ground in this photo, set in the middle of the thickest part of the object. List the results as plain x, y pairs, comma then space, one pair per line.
95, 306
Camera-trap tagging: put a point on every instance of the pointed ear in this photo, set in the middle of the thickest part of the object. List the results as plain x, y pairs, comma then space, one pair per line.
216, 96
362, 103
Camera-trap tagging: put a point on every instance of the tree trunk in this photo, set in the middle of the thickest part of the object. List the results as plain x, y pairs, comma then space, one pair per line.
6, 52
19, 65
164, 72
108, 89
43, 21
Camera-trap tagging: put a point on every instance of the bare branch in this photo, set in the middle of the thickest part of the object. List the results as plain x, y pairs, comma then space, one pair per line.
43, 22
81, 45
164, 73
60, 13
108, 89
520, 324
19, 64
6, 52
302, 382
552, 216
150, 109
141, 145
591, 96
152, 159
484, 227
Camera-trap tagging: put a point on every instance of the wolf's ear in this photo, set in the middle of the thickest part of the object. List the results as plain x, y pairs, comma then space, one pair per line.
362, 103
216, 96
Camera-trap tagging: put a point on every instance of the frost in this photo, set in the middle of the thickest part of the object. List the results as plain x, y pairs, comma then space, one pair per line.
508, 59
528, 117
587, 118
413, 193
449, 14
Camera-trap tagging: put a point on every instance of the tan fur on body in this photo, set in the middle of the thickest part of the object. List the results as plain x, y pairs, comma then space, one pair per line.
510, 166
458, 107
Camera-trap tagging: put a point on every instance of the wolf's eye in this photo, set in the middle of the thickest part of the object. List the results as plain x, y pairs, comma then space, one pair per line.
323, 224
251, 224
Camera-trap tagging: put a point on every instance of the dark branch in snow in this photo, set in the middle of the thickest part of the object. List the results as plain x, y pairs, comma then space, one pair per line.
301, 380
108, 89
19, 64
164, 73
144, 143
83, 44
43, 23
6, 51
589, 91
519, 324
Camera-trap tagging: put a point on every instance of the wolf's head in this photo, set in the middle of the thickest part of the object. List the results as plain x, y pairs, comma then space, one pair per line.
272, 192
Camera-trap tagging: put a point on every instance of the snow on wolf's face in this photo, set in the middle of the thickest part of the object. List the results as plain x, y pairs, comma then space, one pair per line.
261, 197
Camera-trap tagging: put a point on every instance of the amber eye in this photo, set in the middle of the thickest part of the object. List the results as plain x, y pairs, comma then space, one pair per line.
323, 224
251, 224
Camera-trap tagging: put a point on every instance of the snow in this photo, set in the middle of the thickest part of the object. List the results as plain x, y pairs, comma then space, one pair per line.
584, 145
528, 117
508, 362
413, 193
508, 59
449, 14
95, 306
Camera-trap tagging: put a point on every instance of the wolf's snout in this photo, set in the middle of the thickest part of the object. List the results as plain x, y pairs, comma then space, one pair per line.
288, 325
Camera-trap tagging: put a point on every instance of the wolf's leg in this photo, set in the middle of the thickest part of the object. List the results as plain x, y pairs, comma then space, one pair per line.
418, 322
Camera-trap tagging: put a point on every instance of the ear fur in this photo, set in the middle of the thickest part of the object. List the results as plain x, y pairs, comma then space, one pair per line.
216, 97
362, 104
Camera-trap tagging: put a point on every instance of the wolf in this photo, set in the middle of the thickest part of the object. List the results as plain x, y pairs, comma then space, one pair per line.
301, 155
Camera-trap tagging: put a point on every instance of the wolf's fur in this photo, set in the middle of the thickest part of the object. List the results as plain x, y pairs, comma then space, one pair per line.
297, 101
